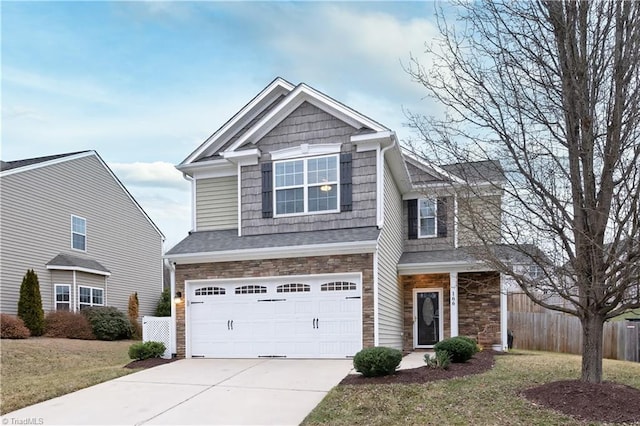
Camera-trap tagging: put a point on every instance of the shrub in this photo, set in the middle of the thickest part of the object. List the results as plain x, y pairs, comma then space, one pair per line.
12, 328
378, 361
459, 349
30, 304
476, 347
70, 325
164, 304
146, 350
133, 311
440, 359
108, 323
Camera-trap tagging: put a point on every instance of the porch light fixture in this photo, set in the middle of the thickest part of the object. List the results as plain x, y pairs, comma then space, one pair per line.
178, 298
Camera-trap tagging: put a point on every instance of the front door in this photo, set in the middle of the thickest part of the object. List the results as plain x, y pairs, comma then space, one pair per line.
427, 314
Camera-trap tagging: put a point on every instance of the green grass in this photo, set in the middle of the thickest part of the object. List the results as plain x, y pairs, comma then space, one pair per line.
489, 398
42, 368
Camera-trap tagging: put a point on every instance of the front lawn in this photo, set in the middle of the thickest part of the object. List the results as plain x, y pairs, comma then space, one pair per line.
489, 398
42, 368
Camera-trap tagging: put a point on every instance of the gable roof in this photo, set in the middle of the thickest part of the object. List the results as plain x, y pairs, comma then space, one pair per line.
10, 165
19, 166
265, 111
423, 172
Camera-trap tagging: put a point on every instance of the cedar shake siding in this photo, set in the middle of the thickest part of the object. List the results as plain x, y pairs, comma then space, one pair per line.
308, 124
280, 267
412, 244
478, 305
482, 212
216, 203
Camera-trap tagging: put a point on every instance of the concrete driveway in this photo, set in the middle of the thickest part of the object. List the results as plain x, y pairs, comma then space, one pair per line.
197, 391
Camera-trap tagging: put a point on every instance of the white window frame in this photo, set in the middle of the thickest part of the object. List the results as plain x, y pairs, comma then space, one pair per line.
55, 296
74, 232
305, 186
90, 304
435, 218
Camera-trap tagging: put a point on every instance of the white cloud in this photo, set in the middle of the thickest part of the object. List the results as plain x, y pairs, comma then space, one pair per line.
158, 174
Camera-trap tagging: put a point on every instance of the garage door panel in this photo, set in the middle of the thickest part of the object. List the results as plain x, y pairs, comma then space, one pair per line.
309, 318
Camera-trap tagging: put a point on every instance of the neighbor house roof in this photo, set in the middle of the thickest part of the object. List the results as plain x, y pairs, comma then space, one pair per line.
227, 245
70, 262
10, 165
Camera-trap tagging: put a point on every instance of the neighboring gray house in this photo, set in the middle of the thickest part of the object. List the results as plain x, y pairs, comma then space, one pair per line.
71, 220
314, 236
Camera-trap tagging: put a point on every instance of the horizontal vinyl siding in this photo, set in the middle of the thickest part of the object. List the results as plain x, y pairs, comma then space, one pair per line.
390, 308
36, 226
217, 203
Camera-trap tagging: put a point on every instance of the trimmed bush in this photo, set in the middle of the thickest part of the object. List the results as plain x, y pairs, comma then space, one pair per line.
30, 304
459, 349
476, 348
378, 361
440, 359
146, 350
12, 328
108, 323
70, 325
164, 304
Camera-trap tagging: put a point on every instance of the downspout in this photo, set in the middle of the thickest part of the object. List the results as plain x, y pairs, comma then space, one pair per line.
75, 292
193, 199
239, 200
380, 223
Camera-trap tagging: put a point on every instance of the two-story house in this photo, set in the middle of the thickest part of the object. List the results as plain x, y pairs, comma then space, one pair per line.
71, 220
314, 236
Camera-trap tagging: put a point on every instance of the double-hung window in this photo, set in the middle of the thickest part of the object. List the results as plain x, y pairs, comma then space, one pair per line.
90, 296
78, 233
427, 217
63, 297
306, 185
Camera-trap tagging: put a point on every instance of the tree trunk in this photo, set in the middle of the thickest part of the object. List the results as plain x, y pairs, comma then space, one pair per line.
592, 330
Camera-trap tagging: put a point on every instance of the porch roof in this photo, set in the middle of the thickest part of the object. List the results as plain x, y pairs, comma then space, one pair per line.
436, 261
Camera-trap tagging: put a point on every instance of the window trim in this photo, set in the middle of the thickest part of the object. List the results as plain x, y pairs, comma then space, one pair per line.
90, 304
84, 235
55, 296
305, 186
435, 218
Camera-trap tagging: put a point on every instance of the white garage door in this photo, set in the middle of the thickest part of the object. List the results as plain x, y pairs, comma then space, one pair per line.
294, 317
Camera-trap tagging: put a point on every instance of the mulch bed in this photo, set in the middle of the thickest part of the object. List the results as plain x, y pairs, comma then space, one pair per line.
148, 363
603, 402
481, 362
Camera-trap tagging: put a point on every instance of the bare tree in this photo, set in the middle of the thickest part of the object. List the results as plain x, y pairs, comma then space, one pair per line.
550, 89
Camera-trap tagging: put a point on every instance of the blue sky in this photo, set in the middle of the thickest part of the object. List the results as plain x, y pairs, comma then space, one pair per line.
144, 83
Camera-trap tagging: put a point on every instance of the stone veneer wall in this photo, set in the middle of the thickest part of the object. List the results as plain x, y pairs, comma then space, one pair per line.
280, 267
409, 282
479, 307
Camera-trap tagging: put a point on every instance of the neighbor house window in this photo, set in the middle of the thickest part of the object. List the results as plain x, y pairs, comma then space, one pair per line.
90, 296
63, 297
306, 185
427, 217
78, 233
535, 272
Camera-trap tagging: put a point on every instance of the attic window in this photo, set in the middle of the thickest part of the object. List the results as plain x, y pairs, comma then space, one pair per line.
306, 185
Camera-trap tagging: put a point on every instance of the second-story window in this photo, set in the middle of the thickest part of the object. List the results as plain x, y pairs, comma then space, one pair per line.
78, 233
306, 185
427, 217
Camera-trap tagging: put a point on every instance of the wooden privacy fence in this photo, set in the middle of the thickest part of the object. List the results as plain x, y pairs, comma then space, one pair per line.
563, 333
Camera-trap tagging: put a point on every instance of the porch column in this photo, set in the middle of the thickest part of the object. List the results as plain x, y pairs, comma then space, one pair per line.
504, 315
453, 302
